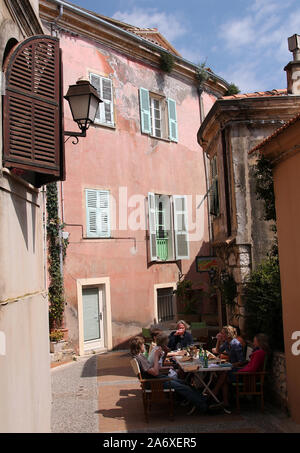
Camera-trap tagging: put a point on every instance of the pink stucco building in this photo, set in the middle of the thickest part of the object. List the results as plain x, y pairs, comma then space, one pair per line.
131, 202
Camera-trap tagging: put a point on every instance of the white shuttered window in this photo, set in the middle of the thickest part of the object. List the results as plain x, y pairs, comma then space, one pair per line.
105, 112
168, 234
97, 213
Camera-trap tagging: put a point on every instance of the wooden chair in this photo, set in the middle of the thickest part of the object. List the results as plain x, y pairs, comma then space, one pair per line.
251, 383
153, 391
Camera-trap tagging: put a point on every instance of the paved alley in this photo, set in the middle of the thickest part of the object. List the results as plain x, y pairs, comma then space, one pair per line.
100, 394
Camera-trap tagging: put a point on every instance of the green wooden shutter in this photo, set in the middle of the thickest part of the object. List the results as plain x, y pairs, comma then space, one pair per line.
173, 128
152, 226
145, 111
97, 212
181, 227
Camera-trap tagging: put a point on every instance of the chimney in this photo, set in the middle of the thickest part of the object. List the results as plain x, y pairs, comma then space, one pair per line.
293, 68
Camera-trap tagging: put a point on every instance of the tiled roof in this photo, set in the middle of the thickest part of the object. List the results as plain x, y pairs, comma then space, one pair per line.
257, 94
276, 133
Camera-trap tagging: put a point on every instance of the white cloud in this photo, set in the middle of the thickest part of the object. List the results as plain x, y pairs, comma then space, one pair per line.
259, 41
168, 25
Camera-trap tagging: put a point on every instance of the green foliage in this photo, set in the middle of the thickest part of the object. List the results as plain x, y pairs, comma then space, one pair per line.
54, 227
201, 73
166, 62
186, 295
262, 302
233, 89
228, 289
56, 335
265, 187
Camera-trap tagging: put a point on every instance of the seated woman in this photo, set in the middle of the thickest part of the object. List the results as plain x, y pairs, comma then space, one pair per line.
258, 356
150, 371
256, 363
228, 346
180, 338
154, 334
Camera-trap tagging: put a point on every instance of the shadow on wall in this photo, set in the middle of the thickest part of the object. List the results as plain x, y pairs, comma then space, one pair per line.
204, 303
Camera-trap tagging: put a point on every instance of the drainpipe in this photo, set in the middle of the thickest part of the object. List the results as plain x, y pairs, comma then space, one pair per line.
205, 163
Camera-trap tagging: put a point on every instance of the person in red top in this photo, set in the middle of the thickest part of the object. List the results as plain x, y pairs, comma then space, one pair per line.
257, 358
256, 363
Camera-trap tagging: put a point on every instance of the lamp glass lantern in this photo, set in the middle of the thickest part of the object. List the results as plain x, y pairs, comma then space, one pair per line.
84, 102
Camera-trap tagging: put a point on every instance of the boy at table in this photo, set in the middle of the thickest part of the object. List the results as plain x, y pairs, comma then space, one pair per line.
150, 371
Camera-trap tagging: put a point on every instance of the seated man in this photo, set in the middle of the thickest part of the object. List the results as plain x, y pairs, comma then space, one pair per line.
150, 371
180, 338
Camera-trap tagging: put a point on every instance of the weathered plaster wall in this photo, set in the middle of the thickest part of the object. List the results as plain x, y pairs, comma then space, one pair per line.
122, 157
25, 391
251, 227
287, 196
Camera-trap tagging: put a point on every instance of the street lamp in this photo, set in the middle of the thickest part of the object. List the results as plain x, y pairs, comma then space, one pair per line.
84, 101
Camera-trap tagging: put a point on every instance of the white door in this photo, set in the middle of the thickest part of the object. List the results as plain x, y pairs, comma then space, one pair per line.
93, 322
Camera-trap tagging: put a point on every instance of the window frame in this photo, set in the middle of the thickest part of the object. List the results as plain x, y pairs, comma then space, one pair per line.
168, 124
99, 212
101, 108
170, 227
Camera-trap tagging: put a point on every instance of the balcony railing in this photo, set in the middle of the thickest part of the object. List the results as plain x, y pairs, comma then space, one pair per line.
162, 248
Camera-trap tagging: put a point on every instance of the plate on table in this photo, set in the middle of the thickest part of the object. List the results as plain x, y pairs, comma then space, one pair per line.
225, 364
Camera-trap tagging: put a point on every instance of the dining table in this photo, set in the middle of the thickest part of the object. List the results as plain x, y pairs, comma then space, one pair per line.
200, 372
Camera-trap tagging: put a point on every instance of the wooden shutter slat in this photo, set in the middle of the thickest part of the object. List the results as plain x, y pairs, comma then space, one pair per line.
33, 106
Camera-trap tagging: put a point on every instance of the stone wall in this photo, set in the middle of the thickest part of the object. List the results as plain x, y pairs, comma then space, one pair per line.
276, 386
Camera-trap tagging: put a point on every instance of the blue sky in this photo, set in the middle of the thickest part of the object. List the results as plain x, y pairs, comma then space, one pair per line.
243, 41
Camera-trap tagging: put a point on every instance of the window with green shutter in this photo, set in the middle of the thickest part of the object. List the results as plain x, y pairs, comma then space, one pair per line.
158, 115
97, 213
105, 112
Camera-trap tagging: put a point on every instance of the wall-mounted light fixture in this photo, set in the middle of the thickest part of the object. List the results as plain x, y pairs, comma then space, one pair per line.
84, 102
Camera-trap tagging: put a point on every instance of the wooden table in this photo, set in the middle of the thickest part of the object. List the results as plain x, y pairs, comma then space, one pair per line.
195, 366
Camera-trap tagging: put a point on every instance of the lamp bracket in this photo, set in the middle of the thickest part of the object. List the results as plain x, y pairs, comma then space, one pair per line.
70, 134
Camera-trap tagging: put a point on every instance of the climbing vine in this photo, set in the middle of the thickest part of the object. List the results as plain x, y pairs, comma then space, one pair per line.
54, 227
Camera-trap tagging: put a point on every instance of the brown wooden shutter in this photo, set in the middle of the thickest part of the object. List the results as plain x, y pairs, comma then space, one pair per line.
33, 122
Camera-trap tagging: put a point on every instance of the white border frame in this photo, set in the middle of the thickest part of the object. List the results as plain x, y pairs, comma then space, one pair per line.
86, 282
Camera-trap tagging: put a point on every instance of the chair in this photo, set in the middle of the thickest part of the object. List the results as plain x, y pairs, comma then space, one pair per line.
153, 391
250, 383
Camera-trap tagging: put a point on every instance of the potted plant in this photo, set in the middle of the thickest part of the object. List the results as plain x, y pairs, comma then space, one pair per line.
57, 341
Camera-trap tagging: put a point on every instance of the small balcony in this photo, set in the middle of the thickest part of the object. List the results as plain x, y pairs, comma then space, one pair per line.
162, 248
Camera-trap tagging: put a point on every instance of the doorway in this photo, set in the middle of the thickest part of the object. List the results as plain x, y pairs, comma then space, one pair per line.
93, 319
94, 315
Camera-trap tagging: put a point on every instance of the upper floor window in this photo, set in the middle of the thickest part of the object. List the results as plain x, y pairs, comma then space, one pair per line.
214, 205
105, 112
168, 227
97, 213
158, 115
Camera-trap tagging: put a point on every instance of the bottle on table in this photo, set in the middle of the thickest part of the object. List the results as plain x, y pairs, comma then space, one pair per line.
205, 364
